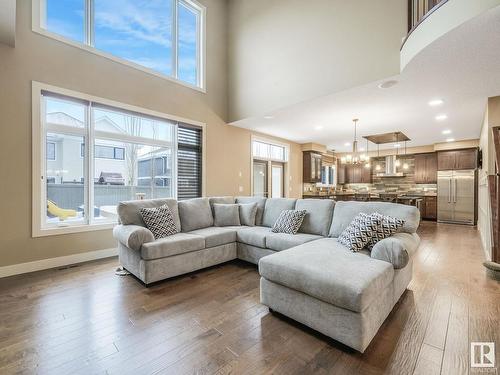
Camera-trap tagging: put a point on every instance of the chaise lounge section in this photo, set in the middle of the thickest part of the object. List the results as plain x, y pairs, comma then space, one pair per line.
309, 276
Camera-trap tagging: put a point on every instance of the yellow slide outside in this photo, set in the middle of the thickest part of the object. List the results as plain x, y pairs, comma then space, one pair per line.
61, 213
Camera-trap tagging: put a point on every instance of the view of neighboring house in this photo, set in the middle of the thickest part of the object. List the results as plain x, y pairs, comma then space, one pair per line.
121, 170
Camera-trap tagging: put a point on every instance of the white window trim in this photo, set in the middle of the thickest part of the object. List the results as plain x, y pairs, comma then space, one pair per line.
37, 27
286, 163
38, 152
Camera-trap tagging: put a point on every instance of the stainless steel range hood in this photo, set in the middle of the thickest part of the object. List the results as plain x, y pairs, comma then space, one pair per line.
390, 168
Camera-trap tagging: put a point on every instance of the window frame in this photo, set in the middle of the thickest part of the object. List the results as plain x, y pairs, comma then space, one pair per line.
38, 156
269, 161
55, 151
38, 17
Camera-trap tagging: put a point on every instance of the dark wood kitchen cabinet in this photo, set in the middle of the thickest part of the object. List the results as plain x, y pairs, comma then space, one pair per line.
457, 159
426, 168
341, 173
428, 208
358, 174
311, 167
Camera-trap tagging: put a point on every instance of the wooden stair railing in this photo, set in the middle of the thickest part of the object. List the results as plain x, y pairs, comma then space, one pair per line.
494, 189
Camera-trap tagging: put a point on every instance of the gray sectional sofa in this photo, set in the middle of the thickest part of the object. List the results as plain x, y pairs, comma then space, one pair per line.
309, 276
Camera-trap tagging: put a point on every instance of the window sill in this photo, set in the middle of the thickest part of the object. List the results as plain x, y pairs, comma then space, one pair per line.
116, 59
55, 231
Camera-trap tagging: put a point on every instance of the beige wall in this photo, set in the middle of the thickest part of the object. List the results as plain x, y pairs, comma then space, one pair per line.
38, 58
282, 52
491, 119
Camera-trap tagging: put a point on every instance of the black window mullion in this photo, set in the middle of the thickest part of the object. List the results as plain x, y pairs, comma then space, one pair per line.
189, 162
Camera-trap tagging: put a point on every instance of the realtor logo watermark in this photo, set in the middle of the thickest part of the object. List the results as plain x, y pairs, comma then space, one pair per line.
482, 354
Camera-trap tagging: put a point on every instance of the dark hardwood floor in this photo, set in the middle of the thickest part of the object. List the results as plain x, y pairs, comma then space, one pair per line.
86, 320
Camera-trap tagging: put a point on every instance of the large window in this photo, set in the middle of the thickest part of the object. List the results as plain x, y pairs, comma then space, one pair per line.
269, 168
162, 35
96, 155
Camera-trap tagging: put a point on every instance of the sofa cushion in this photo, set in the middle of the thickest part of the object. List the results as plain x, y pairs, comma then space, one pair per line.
283, 241
328, 271
319, 215
248, 213
273, 209
195, 214
172, 245
159, 221
261, 202
289, 221
344, 213
216, 236
255, 236
129, 211
220, 200
226, 214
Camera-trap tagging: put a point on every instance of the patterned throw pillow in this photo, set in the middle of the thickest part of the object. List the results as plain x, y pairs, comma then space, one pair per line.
388, 226
359, 232
289, 221
159, 221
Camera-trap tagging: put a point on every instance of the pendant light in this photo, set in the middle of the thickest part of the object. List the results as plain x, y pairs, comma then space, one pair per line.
378, 167
405, 164
367, 157
397, 163
353, 158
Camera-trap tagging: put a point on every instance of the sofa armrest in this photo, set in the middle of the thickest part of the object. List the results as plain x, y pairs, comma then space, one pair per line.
396, 249
132, 236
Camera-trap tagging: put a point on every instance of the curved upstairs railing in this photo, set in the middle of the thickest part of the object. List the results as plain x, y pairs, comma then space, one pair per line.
429, 20
419, 10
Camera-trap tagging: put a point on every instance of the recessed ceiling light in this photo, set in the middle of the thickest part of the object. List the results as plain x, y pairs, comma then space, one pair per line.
319, 127
450, 140
397, 145
435, 102
441, 117
347, 144
447, 131
268, 117
387, 84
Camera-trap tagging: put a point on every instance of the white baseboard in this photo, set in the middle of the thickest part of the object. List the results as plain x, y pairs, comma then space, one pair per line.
44, 264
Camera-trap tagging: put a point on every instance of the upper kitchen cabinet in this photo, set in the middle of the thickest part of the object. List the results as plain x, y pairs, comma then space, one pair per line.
457, 159
426, 168
341, 173
357, 174
311, 167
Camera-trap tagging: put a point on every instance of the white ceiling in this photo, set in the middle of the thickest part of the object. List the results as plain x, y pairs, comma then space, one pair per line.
462, 68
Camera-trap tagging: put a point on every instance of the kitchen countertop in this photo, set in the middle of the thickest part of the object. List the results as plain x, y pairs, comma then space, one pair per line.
372, 195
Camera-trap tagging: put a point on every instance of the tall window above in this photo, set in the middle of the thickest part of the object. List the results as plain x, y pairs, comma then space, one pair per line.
162, 35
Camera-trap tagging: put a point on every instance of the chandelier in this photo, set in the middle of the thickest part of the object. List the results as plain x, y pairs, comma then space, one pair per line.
356, 158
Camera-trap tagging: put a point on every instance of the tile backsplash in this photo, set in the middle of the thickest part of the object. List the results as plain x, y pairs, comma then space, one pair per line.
404, 184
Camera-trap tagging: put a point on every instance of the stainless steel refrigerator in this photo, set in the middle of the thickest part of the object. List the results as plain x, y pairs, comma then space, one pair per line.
456, 200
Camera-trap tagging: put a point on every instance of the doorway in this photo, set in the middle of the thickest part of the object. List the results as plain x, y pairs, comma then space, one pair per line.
277, 180
260, 178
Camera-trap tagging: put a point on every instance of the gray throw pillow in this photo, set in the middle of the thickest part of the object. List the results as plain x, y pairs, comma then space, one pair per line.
226, 214
159, 221
359, 232
248, 213
289, 221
